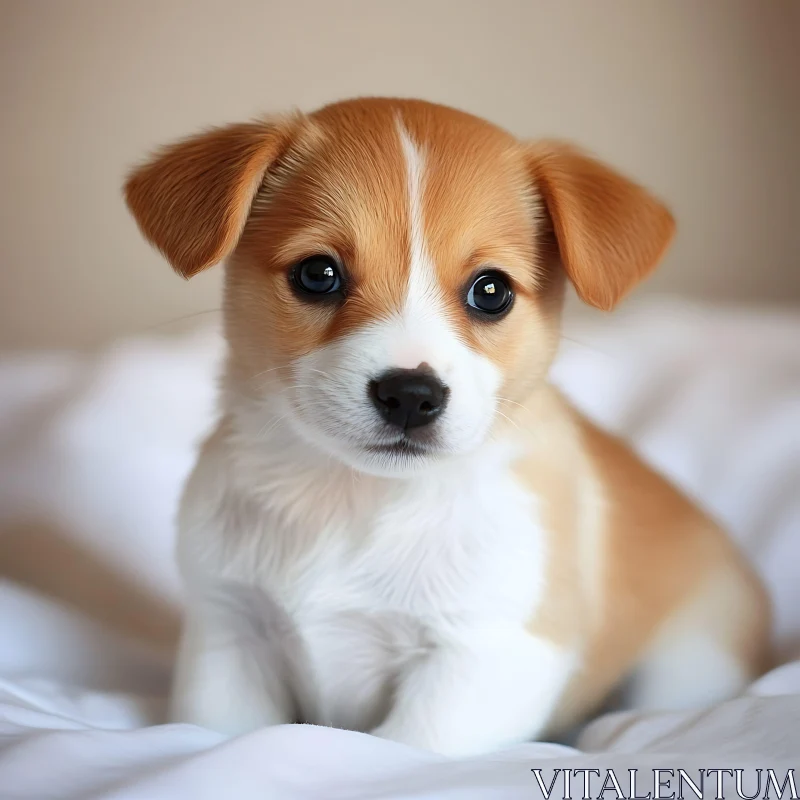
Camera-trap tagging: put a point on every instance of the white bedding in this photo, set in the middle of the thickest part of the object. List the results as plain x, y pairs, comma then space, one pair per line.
93, 450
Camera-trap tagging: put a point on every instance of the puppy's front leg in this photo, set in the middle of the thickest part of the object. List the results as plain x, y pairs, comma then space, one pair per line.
480, 693
229, 677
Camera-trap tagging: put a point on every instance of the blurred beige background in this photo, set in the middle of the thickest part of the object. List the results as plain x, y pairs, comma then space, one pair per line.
697, 99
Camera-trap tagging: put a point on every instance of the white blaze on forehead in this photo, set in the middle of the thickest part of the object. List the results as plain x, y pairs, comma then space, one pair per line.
421, 277
423, 308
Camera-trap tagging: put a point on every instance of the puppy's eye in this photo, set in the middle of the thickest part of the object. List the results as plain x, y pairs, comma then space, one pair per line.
490, 293
317, 275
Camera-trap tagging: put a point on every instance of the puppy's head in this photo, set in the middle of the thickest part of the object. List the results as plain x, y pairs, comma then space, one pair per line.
394, 268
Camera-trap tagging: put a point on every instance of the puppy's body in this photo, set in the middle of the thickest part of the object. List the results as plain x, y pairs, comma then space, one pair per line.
487, 566
536, 572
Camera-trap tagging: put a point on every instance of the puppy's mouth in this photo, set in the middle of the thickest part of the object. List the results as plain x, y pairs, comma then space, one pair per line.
402, 447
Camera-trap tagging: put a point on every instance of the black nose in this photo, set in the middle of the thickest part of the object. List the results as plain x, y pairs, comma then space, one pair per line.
409, 398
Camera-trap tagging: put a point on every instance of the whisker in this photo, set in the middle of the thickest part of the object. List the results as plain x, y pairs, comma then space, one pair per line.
264, 372
273, 423
160, 325
513, 402
312, 369
505, 416
586, 345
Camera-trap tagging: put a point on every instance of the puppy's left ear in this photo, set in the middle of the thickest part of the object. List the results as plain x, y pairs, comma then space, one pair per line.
193, 198
610, 231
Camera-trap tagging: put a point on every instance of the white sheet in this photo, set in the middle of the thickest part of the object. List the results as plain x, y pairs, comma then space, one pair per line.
93, 449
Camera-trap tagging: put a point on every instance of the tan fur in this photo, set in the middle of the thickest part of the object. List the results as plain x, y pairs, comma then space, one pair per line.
626, 550
193, 200
611, 232
657, 554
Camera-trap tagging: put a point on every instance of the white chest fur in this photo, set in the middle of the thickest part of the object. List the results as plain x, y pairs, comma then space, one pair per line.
372, 573
450, 552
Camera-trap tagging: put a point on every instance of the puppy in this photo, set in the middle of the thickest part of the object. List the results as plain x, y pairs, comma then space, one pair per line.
399, 526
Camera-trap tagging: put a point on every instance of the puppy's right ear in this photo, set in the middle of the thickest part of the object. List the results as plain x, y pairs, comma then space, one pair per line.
193, 198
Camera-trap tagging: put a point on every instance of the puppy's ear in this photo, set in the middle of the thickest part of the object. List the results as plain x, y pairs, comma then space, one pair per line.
610, 232
193, 198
